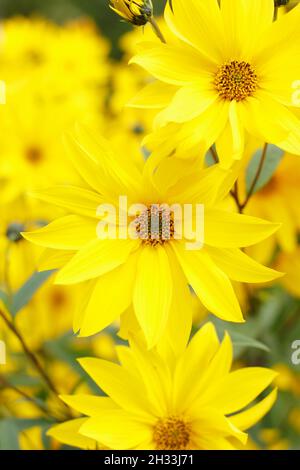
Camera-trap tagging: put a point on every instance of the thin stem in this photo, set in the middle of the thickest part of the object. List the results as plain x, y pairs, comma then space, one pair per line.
157, 30
5, 384
235, 194
256, 178
214, 154
34, 360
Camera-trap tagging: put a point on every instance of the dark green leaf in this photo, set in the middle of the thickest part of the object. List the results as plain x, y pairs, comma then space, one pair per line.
27, 291
241, 340
273, 158
4, 298
9, 433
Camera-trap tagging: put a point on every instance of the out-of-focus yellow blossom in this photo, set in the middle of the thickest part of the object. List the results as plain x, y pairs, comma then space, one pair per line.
279, 201
68, 62
18, 259
104, 346
290, 263
273, 440
166, 404
294, 419
65, 70
31, 439
287, 379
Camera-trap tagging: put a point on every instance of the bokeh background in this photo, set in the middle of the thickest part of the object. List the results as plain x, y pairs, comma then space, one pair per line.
65, 10
64, 61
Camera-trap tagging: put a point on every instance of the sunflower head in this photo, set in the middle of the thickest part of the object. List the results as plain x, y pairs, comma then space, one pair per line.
137, 12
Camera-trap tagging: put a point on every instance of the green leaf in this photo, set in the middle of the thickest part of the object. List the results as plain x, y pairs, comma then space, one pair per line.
4, 298
273, 158
23, 423
240, 340
27, 291
9, 435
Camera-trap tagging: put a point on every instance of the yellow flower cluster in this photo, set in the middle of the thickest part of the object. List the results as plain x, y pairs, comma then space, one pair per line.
186, 208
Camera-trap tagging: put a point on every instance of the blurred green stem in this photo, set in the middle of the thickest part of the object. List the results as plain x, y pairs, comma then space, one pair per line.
256, 178
32, 357
157, 30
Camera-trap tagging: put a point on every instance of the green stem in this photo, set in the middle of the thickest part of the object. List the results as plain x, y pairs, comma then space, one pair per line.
157, 30
256, 178
32, 357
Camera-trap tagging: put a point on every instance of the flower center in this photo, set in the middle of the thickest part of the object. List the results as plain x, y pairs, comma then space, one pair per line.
155, 226
235, 81
34, 155
171, 433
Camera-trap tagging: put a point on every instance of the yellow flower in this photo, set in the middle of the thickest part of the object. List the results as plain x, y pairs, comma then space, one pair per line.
137, 12
150, 269
279, 201
53, 74
232, 73
193, 401
290, 262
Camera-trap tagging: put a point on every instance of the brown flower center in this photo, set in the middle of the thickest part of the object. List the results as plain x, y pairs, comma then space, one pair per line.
236, 81
34, 155
155, 226
171, 433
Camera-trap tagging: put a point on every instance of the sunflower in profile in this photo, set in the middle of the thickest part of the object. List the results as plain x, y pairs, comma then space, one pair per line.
160, 242
231, 71
155, 402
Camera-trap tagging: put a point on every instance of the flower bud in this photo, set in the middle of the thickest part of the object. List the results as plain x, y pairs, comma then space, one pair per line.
137, 12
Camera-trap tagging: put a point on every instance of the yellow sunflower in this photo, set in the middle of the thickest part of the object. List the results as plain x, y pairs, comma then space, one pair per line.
234, 72
148, 266
193, 401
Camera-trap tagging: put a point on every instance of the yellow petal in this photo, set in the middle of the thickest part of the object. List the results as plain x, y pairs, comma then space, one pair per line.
67, 233
110, 297
188, 103
250, 417
230, 230
196, 358
75, 200
54, 259
194, 22
153, 292
179, 323
211, 285
95, 259
245, 23
68, 433
175, 65
122, 386
240, 267
218, 367
211, 422
89, 404
154, 95
117, 430
239, 388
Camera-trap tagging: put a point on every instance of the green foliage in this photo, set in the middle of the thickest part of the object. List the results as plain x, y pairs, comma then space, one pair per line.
27, 291
273, 159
